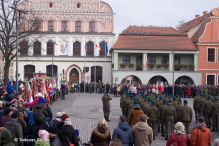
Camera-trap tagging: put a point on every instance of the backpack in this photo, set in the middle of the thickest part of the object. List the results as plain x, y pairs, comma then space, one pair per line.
174, 143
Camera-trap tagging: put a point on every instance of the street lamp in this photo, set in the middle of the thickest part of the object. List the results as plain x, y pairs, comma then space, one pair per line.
173, 51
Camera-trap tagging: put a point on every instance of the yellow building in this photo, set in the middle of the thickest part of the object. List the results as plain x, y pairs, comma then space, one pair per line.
2, 65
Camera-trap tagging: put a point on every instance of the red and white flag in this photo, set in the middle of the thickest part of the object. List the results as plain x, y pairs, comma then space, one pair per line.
161, 87
157, 86
97, 46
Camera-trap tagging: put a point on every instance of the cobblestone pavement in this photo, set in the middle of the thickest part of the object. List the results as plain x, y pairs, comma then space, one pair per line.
86, 109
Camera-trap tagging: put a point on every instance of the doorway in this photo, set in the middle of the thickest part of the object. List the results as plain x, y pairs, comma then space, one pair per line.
74, 75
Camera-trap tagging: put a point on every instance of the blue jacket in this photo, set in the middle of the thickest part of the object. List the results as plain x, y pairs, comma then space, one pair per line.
10, 90
124, 132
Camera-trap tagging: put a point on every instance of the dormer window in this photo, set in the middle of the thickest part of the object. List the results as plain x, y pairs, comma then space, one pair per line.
78, 5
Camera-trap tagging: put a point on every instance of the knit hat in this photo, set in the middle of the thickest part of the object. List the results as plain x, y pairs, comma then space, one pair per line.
7, 104
7, 111
53, 130
179, 126
42, 100
43, 134
64, 116
67, 121
201, 119
59, 114
13, 101
39, 95
170, 101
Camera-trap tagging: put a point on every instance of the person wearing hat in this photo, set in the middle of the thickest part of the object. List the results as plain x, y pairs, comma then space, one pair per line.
57, 119
53, 136
195, 105
214, 114
153, 114
200, 105
106, 105
130, 105
143, 133
186, 115
34, 102
15, 128
60, 124
179, 136
43, 139
161, 117
8, 112
6, 137
178, 108
40, 110
201, 135
169, 116
122, 100
135, 114
207, 111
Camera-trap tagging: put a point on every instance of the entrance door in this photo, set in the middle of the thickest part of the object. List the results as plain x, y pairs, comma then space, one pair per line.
98, 74
74, 75
138, 61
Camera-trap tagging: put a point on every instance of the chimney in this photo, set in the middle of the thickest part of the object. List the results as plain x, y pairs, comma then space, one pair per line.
196, 16
205, 12
196, 21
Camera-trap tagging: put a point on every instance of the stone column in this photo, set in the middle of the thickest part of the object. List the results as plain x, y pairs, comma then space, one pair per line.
170, 62
69, 46
56, 51
115, 57
145, 60
196, 62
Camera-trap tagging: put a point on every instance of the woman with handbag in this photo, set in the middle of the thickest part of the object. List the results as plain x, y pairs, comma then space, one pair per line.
179, 136
67, 134
101, 135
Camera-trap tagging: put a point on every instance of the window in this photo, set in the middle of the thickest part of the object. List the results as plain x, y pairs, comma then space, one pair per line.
153, 80
126, 59
90, 49
152, 60
49, 70
11, 77
23, 48
50, 26
37, 48
11, 64
64, 26
211, 55
11, 70
78, 5
78, 26
28, 71
50, 48
99, 73
36, 25
77, 48
165, 60
210, 79
50, 5
91, 26
103, 49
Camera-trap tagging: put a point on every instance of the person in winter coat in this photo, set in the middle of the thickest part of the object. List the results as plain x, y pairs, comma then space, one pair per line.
34, 102
6, 137
53, 136
143, 134
135, 114
8, 112
216, 142
16, 129
57, 119
123, 132
179, 136
23, 124
67, 134
101, 134
10, 90
40, 110
189, 91
201, 135
43, 139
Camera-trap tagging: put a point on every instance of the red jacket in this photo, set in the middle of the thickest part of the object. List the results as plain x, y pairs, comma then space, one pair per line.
201, 136
182, 140
188, 91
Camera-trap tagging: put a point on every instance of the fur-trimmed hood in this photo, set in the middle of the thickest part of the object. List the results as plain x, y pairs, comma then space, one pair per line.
102, 132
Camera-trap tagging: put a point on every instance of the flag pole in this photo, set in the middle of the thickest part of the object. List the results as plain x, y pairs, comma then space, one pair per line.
105, 68
84, 69
95, 72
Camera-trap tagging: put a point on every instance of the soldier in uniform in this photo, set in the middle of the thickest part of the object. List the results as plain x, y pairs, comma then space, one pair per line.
100, 87
205, 91
106, 106
215, 113
186, 115
161, 112
207, 111
90, 87
169, 116
178, 108
153, 114
195, 105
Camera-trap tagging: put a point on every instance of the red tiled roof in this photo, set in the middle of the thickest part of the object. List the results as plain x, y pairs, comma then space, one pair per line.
133, 38
190, 24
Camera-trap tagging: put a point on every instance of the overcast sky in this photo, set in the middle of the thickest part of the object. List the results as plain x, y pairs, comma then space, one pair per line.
157, 12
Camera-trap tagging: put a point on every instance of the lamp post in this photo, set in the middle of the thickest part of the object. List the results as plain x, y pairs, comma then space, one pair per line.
173, 51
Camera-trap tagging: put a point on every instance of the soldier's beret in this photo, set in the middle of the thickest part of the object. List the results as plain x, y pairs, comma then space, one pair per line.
105, 93
156, 95
150, 91
209, 91
216, 98
215, 93
142, 94
177, 94
149, 99
166, 94
160, 97
145, 97
202, 95
125, 90
209, 96
163, 92
170, 94
180, 99
198, 92
164, 100
135, 102
185, 101
152, 102
174, 97
170, 101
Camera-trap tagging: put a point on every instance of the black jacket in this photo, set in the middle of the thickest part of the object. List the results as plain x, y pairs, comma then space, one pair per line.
49, 112
55, 141
35, 127
68, 130
40, 112
24, 128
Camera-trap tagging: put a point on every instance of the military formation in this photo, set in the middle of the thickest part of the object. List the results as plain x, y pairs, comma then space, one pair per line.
159, 109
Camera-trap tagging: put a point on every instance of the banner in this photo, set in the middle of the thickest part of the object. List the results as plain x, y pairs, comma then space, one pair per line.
63, 49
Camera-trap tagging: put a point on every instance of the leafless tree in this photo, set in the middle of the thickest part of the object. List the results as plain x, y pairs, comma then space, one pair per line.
27, 27
181, 22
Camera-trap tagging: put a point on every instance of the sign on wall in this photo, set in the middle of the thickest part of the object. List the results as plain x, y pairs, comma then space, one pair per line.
63, 49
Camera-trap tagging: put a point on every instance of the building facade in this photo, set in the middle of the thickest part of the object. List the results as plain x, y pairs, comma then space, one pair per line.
65, 28
204, 33
145, 55
2, 65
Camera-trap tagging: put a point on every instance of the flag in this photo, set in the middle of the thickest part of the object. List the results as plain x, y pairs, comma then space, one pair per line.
48, 95
157, 86
85, 47
30, 98
106, 48
162, 88
44, 86
146, 64
97, 46
25, 91
35, 89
